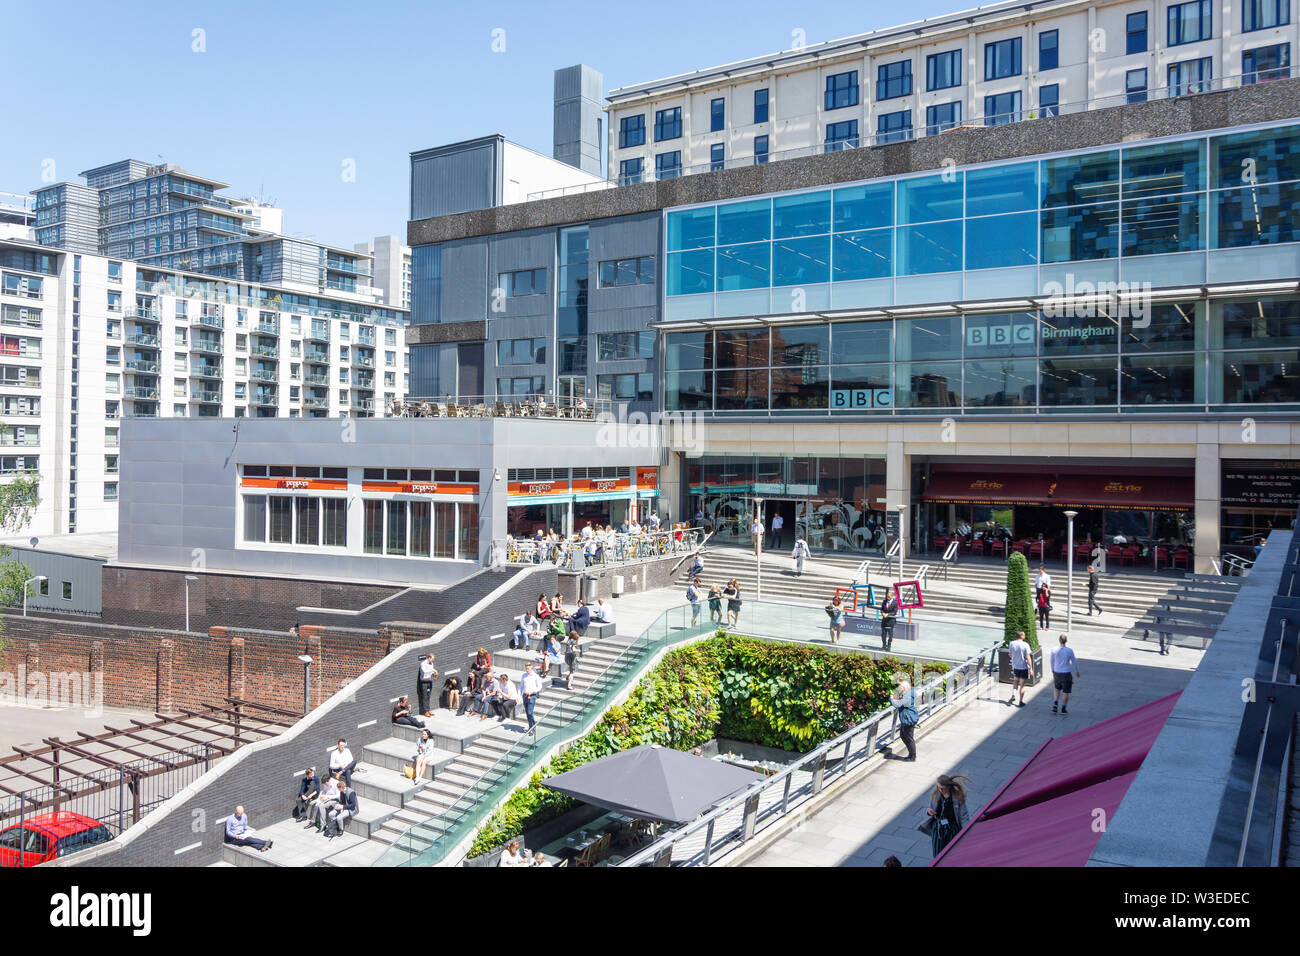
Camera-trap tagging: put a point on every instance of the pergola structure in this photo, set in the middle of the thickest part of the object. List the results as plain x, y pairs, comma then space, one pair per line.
143, 763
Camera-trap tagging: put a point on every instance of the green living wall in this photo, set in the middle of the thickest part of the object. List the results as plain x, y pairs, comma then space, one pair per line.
789, 696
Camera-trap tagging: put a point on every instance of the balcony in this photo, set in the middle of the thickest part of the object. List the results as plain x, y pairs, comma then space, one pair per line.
265, 398
31, 381
315, 334
363, 361
207, 370
145, 315
141, 391
16, 318
313, 402
317, 358
141, 413
208, 396
263, 375
212, 346
143, 365
266, 351
314, 379
363, 404
13, 441
268, 328
364, 381
209, 321
140, 338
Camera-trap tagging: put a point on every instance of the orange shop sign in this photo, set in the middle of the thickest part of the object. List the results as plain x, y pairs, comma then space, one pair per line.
602, 484
647, 477
297, 484
419, 487
529, 488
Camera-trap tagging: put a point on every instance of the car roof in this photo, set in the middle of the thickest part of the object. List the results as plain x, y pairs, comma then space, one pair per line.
61, 823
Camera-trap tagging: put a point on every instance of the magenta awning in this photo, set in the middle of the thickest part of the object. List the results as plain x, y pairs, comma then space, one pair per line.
1098, 761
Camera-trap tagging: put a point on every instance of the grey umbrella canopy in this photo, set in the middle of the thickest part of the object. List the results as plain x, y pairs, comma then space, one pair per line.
654, 783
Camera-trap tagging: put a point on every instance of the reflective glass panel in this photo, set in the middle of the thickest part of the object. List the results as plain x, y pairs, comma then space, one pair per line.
928, 385
853, 342
688, 350
930, 338
1255, 216
1078, 381
929, 199
1001, 334
801, 261
744, 267
803, 387
1164, 168
1074, 180
690, 229
933, 247
1004, 383
1002, 189
1081, 330
688, 391
1252, 323
1161, 327
741, 389
1076, 233
1002, 241
863, 255
1161, 379
1161, 224
742, 348
806, 214
800, 344
1257, 377
745, 222
1261, 156
690, 272
864, 207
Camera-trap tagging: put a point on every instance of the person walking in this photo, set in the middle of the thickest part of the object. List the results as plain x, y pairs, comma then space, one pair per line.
693, 597
799, 553
1092, 590
1045, 607
1022, 666
715, 604
888, 617
947, 810
835, 610
778, 526
530, 685
732, 593
904, 701
424, 686
1065, 668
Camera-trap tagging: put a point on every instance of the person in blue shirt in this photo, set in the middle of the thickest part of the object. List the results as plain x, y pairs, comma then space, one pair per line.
580, 619
239, 833
904, 701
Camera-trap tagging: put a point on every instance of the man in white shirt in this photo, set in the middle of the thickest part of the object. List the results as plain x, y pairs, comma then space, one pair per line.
1022, 666
653, 521
1065, 668
530, 685
341, 762
488, 701
1042, 579
778, 523
756, 531
507, 699
587, 532
602, 612
424, 686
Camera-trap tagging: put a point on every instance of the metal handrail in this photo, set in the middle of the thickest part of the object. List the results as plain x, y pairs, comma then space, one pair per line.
623, 548
929, 702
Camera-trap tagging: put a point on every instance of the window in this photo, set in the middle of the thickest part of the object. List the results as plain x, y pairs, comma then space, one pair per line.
717, 115
1048, 52
1135, 85
1189, 22
110, 491
942, 116
760, 106
1135, 26
114, 271
1002, 59
842, 90
893, 79
1049, 100
45, 587
521, 351
894, 127
1190, 76
631, 131
115, 302
943, 70
668, 165
637, 387
630, 171
67, 590
616, 346
1266, 63
668, 124
717, 157
1002, 108
618, 272
1262, 14
841, 135
523, 282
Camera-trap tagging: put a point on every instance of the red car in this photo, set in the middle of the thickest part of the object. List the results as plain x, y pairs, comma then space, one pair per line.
48, 837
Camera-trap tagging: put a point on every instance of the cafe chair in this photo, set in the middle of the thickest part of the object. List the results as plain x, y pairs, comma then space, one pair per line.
1182, 556
1130, 556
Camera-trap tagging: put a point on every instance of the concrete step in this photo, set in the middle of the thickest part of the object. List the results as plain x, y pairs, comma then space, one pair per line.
371, 815
383, 785
293, 846
395, 753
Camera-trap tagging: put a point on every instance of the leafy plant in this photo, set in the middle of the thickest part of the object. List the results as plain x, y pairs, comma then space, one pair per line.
788, 696
1019, 615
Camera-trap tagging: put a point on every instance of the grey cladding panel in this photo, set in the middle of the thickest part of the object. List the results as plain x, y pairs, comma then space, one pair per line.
465, 280
454, 181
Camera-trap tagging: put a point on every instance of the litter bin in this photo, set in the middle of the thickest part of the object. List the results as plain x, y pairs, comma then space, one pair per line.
590, 588
618, 586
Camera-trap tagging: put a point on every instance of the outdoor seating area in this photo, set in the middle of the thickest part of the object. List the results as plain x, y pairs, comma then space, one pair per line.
520, 406
605, 841
603, 547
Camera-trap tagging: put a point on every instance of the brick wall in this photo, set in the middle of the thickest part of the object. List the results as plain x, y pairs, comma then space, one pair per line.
155, 598
415, 604
261, 776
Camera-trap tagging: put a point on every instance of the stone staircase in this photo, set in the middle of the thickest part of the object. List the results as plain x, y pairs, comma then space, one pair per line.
466, 747
974, 587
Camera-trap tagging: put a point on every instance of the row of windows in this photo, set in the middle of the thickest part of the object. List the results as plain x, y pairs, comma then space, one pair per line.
563, 474
418, 529
521, 351
1215, 378
1137, 201
293, 471
668, 122
619, 272
1156, 327
523, 282
630, 387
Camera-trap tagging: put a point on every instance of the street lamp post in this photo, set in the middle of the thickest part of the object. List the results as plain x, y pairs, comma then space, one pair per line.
26, 584
1069, 572
306, 682
758, 544
188, 579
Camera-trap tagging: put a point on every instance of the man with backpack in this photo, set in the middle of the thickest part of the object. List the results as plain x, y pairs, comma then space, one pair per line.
693, 596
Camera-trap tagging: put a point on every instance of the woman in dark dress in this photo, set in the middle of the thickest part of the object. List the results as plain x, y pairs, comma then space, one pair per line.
732, 593
948, 810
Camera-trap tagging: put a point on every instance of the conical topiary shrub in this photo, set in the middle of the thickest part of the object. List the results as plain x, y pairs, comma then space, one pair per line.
1020, 602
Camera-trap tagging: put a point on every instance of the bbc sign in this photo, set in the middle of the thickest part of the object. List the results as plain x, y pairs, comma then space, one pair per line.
992, 335
862, 397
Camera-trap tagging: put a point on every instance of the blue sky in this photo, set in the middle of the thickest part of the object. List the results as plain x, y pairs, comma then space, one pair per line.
285, 93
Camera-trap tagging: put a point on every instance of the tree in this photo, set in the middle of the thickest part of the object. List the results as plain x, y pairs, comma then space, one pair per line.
1019, 614
18, 501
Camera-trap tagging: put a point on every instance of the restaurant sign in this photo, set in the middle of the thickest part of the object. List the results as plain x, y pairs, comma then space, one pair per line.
297, 484
1261, 484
